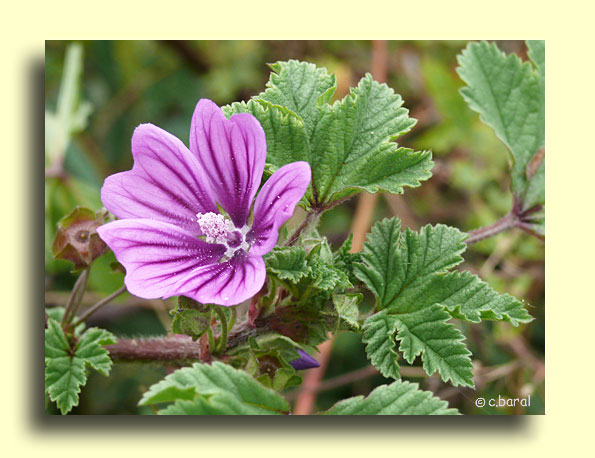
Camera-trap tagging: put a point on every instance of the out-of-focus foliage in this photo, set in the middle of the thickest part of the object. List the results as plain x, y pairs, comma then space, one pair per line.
130, 82
509, 95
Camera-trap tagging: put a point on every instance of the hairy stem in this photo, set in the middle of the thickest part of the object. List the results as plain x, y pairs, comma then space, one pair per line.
171, 350
223, 338
178, 349
212, 346
91, 310
503, 224
234, 316
311, 216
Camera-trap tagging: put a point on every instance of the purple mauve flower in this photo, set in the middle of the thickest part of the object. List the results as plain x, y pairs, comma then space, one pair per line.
305, 361
171, 236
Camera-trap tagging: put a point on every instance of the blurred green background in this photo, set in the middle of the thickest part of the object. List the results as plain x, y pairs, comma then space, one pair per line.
125, 83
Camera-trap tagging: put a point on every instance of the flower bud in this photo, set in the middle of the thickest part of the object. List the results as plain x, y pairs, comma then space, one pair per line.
77, 239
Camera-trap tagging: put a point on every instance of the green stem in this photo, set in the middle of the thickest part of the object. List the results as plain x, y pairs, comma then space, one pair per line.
211, 339
234, 315
74, 300
223, 338
98, 305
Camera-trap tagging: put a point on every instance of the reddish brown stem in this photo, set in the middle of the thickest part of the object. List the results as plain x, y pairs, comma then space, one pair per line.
310, 218
171, 349
503, 224
178, 349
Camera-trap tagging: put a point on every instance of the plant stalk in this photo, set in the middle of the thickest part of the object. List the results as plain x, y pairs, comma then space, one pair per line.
508, 221
222, 344
74, 300
308, 220
91, 310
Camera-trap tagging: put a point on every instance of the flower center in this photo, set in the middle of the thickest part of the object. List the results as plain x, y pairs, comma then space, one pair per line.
218, 229
215, 227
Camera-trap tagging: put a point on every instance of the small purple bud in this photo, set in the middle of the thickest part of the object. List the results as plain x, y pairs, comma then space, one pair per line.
304, 362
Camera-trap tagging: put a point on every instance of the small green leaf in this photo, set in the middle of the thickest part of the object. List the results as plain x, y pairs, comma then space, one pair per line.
64, 377
65, 370
347, 309
193, 323
326, 277
398, 398
218, 390
90, 349
287, 263
345, 260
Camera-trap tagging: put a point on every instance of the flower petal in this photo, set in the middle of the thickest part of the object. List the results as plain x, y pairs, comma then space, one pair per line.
166, 183
232, 153
156, 255
226, 283
275, 204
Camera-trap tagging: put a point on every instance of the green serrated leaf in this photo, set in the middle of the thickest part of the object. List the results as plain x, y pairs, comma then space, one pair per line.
426, 332
537, 55
345, 260
349, 145
323, 275
64, 377
288, 263
218, 389
347, 309
408, 274
65, 371
509, 96
394, 261
379, 336
216, 404
302, 88
467, 297
353, 149
326, 277
398, 398
90, 349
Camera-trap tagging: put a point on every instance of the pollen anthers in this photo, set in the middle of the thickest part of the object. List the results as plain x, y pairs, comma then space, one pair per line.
218, 229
